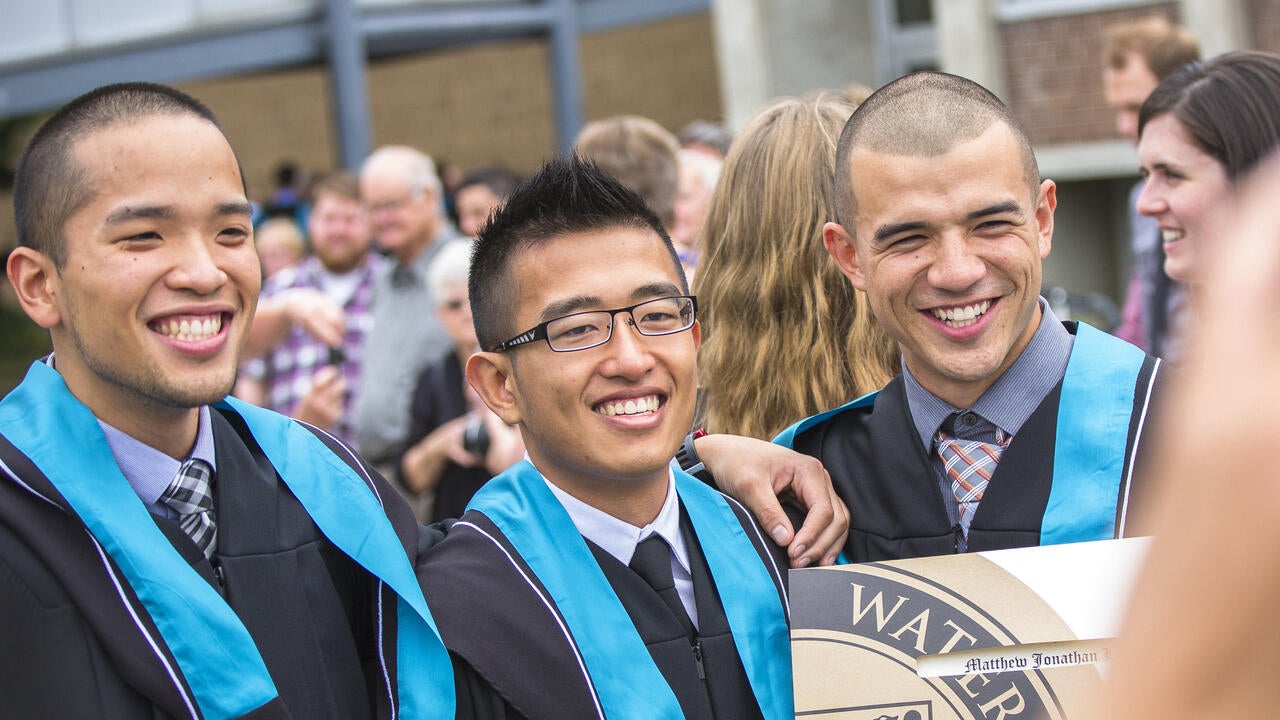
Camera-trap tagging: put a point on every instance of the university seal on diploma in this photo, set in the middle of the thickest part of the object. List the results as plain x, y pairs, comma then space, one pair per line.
1015, 634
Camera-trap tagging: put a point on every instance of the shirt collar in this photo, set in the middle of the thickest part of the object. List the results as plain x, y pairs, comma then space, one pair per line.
148, 470
1014, 395
618, 537
414, 272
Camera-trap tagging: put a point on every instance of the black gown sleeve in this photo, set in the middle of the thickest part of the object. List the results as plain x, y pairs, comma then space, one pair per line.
477, 699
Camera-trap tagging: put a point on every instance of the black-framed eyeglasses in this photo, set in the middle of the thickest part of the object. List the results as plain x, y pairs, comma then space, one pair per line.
583, 330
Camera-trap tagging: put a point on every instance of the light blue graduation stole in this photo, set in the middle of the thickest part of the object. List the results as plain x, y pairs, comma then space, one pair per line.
1094, 411
1093, 432
214, 652
787, 438
627, 681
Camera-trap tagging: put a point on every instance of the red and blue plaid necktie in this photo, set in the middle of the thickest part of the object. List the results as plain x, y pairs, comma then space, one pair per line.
969, 464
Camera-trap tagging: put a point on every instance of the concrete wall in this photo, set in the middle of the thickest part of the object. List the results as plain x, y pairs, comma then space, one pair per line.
768, 48
1090, 242
838, 48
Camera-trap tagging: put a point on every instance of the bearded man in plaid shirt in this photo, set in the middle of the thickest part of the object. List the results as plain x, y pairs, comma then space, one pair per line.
304, 376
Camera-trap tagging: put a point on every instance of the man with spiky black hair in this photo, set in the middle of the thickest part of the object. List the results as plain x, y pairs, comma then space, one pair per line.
592, 579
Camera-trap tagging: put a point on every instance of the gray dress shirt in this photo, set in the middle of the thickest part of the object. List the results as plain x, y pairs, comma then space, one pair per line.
406, 337
1005, 405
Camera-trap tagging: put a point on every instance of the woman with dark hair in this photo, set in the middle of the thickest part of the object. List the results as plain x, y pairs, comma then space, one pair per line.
1202, 130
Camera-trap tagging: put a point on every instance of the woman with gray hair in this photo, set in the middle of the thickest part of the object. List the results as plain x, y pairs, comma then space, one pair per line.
455, 443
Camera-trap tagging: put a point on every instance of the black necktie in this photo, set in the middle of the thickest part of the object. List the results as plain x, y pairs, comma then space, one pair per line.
652, 562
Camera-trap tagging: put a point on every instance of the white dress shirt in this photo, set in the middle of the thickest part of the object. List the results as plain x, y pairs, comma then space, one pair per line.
619, 538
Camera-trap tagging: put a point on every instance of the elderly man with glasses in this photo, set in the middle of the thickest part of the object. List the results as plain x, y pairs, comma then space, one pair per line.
593, 579
402, 191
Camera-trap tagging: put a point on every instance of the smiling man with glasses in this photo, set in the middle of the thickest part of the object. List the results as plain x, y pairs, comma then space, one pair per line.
592, 579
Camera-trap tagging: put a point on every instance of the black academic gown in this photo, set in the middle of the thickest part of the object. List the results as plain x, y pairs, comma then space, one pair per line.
514, 659
74, 642
883, 473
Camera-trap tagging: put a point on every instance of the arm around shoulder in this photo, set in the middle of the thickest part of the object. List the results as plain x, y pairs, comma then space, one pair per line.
761, 475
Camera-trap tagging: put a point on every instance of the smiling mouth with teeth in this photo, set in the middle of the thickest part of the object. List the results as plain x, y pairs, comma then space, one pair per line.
1170, 236
189, 328
962, 316
634, 406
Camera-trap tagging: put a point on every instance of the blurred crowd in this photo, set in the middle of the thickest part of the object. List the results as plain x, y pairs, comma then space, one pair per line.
858, 276
358, 338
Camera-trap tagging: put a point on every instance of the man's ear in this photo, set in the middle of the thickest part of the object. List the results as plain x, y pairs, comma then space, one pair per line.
431, 196
1046, 203
36, 281
490, 376
840, 247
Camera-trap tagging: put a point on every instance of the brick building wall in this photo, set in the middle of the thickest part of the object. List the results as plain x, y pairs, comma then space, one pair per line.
271, 116
476, 105
664, 71
1053, 72
1262, 17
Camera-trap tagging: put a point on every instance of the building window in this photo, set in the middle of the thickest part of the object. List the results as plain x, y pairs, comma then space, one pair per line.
906, 40
914, 12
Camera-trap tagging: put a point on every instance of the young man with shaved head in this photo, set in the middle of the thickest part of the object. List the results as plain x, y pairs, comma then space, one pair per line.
166, 552
1007, 427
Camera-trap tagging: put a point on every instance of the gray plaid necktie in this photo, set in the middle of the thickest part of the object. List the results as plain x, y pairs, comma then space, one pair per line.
191, 496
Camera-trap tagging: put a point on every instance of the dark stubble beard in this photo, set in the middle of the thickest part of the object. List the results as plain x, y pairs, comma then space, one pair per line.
147, 383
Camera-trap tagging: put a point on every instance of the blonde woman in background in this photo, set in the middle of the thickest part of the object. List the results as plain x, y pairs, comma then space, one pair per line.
784, 333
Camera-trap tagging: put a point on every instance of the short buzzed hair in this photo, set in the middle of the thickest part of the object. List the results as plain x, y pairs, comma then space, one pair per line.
1163, 46
50, 185
568, 196
923, 114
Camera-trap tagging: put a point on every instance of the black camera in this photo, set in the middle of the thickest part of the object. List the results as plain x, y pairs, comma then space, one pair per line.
475, 438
